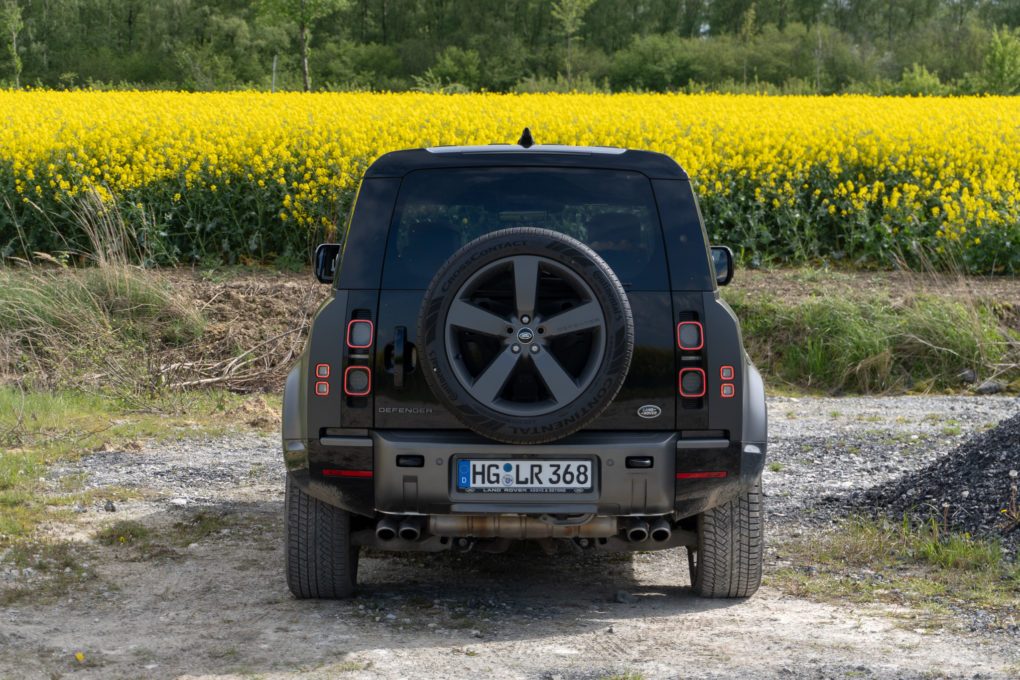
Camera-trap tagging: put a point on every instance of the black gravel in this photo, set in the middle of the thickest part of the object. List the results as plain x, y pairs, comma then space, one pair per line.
975, 480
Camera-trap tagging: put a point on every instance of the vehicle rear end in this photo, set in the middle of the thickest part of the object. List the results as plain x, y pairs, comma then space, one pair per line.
521, 346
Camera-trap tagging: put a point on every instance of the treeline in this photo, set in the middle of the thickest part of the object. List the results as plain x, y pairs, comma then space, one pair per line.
796, 46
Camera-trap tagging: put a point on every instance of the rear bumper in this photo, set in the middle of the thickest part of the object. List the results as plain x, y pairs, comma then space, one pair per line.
686, 476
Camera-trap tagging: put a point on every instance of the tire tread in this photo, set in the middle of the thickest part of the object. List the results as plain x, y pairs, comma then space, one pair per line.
320, 560
730, 547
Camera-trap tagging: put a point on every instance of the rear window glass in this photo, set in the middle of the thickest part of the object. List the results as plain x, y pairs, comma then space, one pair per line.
438, 211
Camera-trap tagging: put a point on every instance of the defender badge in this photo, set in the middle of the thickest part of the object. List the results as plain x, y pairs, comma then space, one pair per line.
649, 411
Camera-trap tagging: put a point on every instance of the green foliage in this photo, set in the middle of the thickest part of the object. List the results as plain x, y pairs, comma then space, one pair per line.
918, 81
1000, 72
457, 66
868, 343
10, 25
378, 44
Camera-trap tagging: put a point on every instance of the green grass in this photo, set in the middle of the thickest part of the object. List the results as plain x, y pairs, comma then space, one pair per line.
99, 327
869, 343
920, 566
58, 566
38, 429
146, 541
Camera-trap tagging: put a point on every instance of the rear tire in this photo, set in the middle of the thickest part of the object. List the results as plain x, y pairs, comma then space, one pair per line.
319, 558
728, 562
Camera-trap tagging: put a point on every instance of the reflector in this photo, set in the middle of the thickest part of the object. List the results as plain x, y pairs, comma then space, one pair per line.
714, 474
332, 472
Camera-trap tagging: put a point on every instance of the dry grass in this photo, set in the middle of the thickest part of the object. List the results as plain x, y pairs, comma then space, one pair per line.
103, 321
920, 566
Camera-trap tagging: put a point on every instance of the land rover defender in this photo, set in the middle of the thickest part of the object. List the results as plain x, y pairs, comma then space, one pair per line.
524, 342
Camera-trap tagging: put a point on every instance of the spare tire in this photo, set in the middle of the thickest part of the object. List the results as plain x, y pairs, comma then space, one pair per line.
525, 335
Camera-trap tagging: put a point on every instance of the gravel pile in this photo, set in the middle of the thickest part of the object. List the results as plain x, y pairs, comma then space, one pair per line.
974, 480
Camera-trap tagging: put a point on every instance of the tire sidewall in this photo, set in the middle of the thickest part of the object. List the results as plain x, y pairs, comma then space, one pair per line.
609, 293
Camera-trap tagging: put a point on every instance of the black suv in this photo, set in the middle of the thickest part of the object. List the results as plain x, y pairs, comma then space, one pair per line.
524, 343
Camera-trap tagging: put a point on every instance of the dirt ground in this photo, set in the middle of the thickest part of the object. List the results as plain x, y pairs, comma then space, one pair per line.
200, 594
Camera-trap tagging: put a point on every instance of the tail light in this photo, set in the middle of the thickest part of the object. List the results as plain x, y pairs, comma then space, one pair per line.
692, 383
690, 335
360, 334
357, 381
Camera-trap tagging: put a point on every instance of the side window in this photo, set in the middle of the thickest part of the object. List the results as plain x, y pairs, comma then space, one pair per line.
438, 211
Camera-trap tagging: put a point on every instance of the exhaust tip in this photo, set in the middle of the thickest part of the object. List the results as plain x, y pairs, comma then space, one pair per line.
661, 531
386, 530
637, 535
637, 531
410, 530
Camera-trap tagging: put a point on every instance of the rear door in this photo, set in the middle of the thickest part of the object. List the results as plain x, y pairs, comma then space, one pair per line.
438, 211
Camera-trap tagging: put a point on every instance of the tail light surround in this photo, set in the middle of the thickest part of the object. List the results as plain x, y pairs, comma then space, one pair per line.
357, 381
690, 335
360, 334
692, 390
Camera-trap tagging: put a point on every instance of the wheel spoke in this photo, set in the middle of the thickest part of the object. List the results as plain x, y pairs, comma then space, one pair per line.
583, 317
558, 381
473, 318
490, 383
525, 284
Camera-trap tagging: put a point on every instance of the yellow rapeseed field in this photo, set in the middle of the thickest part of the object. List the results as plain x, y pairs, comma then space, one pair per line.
252, 175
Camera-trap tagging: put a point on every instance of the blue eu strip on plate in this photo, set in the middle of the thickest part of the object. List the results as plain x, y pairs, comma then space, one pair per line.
464, 474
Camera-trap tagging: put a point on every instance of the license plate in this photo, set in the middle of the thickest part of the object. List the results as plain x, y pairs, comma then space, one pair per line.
524, 476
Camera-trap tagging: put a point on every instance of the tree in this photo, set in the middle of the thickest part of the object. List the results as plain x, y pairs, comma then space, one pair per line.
303, 13
11, 24
570, 15
1001, 71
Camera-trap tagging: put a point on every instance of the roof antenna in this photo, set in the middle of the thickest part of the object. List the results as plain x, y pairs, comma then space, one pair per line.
526, 140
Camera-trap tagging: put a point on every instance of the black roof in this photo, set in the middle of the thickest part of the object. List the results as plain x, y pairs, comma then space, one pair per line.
399, 163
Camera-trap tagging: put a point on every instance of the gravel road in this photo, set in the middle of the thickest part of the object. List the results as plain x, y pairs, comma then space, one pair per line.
203, 594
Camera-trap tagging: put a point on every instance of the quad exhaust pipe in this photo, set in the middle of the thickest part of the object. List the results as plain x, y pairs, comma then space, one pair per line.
637, 531
386, 529
661, 531
410, 529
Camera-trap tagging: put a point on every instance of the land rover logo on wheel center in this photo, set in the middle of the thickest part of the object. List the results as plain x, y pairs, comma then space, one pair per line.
525, 335
649, 411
